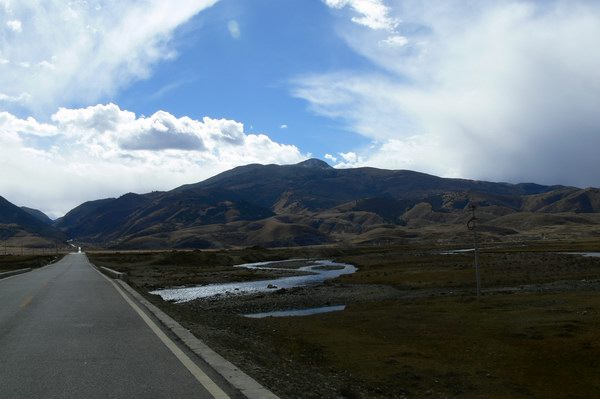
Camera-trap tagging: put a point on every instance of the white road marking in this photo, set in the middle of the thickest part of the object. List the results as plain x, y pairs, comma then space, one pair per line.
196, 371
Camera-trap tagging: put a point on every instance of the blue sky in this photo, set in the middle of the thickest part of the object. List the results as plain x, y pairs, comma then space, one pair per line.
103, 97
248, 78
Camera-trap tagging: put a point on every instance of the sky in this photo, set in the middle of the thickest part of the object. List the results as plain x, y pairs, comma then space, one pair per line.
103, 97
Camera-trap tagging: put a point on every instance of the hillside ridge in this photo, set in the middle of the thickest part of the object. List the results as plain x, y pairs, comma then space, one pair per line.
310, 203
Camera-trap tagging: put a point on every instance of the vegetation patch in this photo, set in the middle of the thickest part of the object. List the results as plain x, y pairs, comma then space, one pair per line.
412, 326
16, 262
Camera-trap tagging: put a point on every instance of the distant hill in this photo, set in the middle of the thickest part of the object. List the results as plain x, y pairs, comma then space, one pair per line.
39, 215
312, 203
314, 185
134, 215
18, 225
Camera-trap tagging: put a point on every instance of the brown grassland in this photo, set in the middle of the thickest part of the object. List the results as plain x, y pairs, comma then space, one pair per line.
412, 327
16, 262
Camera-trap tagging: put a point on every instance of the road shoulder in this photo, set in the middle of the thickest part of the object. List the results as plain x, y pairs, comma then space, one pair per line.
249, 387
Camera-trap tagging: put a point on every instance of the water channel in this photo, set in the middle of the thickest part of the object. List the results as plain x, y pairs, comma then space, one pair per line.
319, 271
586, 254
297, 312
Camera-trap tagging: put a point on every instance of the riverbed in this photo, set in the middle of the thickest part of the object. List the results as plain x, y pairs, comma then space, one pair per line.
314, 272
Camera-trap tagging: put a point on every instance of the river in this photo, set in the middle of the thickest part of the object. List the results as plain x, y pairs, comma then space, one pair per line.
320, 270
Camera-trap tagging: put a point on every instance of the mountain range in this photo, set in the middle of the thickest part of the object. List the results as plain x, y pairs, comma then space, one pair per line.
26, 226
311, 203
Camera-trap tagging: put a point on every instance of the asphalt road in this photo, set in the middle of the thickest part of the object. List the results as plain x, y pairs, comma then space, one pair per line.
66, 332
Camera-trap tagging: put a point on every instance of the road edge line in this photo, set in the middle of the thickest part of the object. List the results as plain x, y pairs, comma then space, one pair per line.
196, 371
247, 385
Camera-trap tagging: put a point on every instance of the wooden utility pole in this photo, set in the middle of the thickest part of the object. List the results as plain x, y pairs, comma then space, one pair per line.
472, 225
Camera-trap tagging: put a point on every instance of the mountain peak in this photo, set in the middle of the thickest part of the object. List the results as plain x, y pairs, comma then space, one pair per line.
314, 163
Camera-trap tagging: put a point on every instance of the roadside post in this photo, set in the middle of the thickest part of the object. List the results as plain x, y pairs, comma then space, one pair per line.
472, 225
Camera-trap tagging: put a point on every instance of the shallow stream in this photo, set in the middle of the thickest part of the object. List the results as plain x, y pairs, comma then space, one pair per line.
320, 270
587, 254
297, 312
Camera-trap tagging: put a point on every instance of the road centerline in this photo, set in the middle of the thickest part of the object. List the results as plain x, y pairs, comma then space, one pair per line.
26, 301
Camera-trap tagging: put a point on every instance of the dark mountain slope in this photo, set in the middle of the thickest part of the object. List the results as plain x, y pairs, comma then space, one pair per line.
578, 201
94, 219
39, 215
311, 185
312, 203
172, 211
15, 221
134, 214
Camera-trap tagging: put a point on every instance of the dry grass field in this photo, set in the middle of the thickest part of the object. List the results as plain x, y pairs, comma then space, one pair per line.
16, 262
412, 327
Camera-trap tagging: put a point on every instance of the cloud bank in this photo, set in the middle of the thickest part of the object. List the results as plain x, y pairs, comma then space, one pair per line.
500, 90
54, 53
371, 13
89, 153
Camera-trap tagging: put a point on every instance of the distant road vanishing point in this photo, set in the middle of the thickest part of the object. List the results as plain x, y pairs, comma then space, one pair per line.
66, 331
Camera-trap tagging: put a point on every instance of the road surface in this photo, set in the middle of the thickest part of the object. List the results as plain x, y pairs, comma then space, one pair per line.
67, 332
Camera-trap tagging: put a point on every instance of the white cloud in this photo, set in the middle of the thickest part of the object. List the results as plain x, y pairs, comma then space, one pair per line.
349, 156
10, 124
100, 118
284, 126
21, 98
331, 158
101, 151
46, 64
234, 29
373, 14
350, 160
14, 25
77, 52
394, 41
415, 153
501, 90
